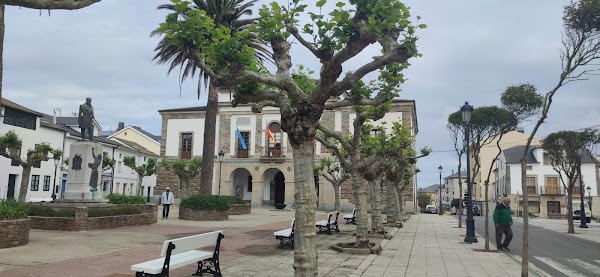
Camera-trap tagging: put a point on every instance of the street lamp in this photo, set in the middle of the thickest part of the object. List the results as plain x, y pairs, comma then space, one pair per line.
221, 155
589, 190
56, 162
467, 111
440, 170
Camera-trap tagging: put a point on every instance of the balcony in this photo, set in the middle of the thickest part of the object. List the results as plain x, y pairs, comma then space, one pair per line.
552, 190
531, 190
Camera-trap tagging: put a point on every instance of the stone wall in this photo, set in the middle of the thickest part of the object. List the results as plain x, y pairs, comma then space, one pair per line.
240, 209
14, 232
166, 178
81, 221
203, 215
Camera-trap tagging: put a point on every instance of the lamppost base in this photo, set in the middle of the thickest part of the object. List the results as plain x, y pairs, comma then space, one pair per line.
470, 239
583, 226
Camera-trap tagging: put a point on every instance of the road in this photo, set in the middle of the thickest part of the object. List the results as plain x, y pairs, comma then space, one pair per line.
558, 254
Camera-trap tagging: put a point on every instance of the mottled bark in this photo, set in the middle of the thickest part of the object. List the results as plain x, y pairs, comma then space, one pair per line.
571, 229
208, 149
391, 201
401, 203
305, 250
376, 221
336, 194
487, 217
24, 183
360, 193
139, 184
50, 4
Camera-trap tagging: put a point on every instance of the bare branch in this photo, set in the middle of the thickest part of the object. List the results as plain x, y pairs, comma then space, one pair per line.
294, 31
50, 4
261, 99
335, 135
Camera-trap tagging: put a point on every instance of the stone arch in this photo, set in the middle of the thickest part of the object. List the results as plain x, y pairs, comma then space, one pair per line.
240, 183
275, 187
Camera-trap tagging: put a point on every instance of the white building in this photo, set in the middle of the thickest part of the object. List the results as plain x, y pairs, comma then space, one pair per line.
451, 189
546, 193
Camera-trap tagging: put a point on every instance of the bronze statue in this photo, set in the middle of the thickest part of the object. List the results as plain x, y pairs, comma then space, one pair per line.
86, 119
94, 166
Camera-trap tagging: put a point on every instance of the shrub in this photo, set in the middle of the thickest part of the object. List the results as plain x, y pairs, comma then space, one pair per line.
111, 211
115, 198
233, 200
205, 202
42, 210
11, 209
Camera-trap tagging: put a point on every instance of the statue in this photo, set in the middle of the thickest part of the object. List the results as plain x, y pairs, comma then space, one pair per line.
94, 166
86, 119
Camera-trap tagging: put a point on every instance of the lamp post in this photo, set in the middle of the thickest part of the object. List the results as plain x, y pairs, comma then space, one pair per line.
440, 170
589, 190
56, 162
582, 194
221, 155
467, 111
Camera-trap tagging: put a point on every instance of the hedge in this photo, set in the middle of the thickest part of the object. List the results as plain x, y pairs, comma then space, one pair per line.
119, 210
11, 209
41, 210
114, 198
233, 200
205, 202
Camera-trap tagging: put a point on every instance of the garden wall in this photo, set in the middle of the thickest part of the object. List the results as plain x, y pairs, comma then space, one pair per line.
238, 209
203, 215
14, 232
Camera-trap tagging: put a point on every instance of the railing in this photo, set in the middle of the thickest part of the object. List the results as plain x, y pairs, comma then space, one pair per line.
531, 190
552, 190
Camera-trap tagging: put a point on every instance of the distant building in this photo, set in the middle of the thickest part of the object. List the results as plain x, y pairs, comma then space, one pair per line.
451, 188
433, 192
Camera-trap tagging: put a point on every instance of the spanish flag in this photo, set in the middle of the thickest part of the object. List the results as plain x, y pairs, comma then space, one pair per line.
271, 136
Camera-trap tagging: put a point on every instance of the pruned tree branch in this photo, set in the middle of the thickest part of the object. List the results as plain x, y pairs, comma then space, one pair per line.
50, 4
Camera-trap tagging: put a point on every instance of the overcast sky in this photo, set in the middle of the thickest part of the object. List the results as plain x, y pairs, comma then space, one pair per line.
472, 50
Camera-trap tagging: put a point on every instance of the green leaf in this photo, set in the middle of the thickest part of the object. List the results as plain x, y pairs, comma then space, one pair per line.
340, 4
320, 3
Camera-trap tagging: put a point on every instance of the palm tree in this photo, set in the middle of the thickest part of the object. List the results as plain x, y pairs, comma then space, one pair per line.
224, 13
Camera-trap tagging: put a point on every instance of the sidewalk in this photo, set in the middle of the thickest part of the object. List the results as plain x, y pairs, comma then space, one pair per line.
429, 245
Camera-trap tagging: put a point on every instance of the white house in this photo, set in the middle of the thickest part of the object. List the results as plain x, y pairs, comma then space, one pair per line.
451, 188
546, 193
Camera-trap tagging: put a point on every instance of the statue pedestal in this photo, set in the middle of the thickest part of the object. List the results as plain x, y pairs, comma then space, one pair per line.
85, 171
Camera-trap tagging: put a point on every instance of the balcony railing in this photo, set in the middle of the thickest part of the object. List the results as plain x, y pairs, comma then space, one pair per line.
531, 190
552, 190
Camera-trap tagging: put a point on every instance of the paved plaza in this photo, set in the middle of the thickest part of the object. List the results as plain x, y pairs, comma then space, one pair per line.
428, 245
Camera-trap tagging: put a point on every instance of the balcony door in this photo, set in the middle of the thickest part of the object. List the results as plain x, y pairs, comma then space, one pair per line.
274, 149
553, 207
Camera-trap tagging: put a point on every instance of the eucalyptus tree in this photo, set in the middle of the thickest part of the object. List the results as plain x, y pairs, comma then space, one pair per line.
579, 53
185, 171
335, 174
10, 147
226, 13
565, 149
147, 169
332, 39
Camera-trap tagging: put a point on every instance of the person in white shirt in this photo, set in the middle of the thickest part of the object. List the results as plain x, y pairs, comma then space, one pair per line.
167, 199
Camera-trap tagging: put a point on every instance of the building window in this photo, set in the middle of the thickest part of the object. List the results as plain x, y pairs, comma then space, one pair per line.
529, 167
119, 166
46, 183
20, 119
249, 183
274, 149
14, 163
552, 185
38, 164
241, 152
35, 182
144, 159
547, 159
186, 145
531, 188
105, 186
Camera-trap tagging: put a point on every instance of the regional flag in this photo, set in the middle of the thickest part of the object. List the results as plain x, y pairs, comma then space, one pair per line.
271, 136
239, 135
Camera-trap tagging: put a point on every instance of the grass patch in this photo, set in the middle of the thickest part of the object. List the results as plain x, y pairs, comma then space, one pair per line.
42, 210
115, 198
206, 202
11, 209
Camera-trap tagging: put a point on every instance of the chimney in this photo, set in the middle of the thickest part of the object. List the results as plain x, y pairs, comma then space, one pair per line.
521, 130
121, 126
54, 118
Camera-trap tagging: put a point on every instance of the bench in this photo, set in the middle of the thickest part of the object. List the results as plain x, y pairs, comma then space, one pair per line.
182, 251
286, 236
325, 226
351, 218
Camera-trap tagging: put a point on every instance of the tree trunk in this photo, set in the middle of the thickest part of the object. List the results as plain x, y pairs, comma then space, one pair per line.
139, 185
460, 199
376, 221
336, 193
524, 262
569, 210
360, 192
391, 200
305, 248
487, 219
399, 201
208, 149
24, 183
2, 7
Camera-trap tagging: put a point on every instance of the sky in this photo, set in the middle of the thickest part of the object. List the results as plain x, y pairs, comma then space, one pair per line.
472, 51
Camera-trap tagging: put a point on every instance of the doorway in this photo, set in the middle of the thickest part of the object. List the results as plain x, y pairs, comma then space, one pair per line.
12, 178
279, 188
553, 207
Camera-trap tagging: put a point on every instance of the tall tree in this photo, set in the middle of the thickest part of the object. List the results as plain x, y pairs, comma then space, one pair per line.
335, 174
337, 38
147, 169
457, 131
226, 13
10, 147
565, 149
581, 47
185, 171
424, 199
333, 38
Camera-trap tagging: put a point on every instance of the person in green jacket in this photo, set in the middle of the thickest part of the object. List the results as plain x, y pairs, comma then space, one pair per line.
503, 221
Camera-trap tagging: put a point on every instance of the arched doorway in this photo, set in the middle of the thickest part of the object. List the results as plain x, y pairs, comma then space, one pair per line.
274, 187
279, 188
241, 183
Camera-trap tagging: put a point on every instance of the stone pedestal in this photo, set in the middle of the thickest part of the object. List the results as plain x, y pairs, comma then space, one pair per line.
85, 171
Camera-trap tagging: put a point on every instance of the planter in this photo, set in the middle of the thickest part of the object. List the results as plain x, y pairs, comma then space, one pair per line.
14, 232
280, 206
239, 209
348, 247
203, 215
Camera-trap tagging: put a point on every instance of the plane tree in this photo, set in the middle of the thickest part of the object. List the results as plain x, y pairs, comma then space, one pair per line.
147, 169
335, 174
333, 39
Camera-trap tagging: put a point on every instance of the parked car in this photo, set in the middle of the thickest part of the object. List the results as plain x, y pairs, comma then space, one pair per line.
430, 209
577, 211
453, 210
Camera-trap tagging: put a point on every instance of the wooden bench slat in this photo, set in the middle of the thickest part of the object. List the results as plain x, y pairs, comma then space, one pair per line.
178, 260
283, 233
190, 243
